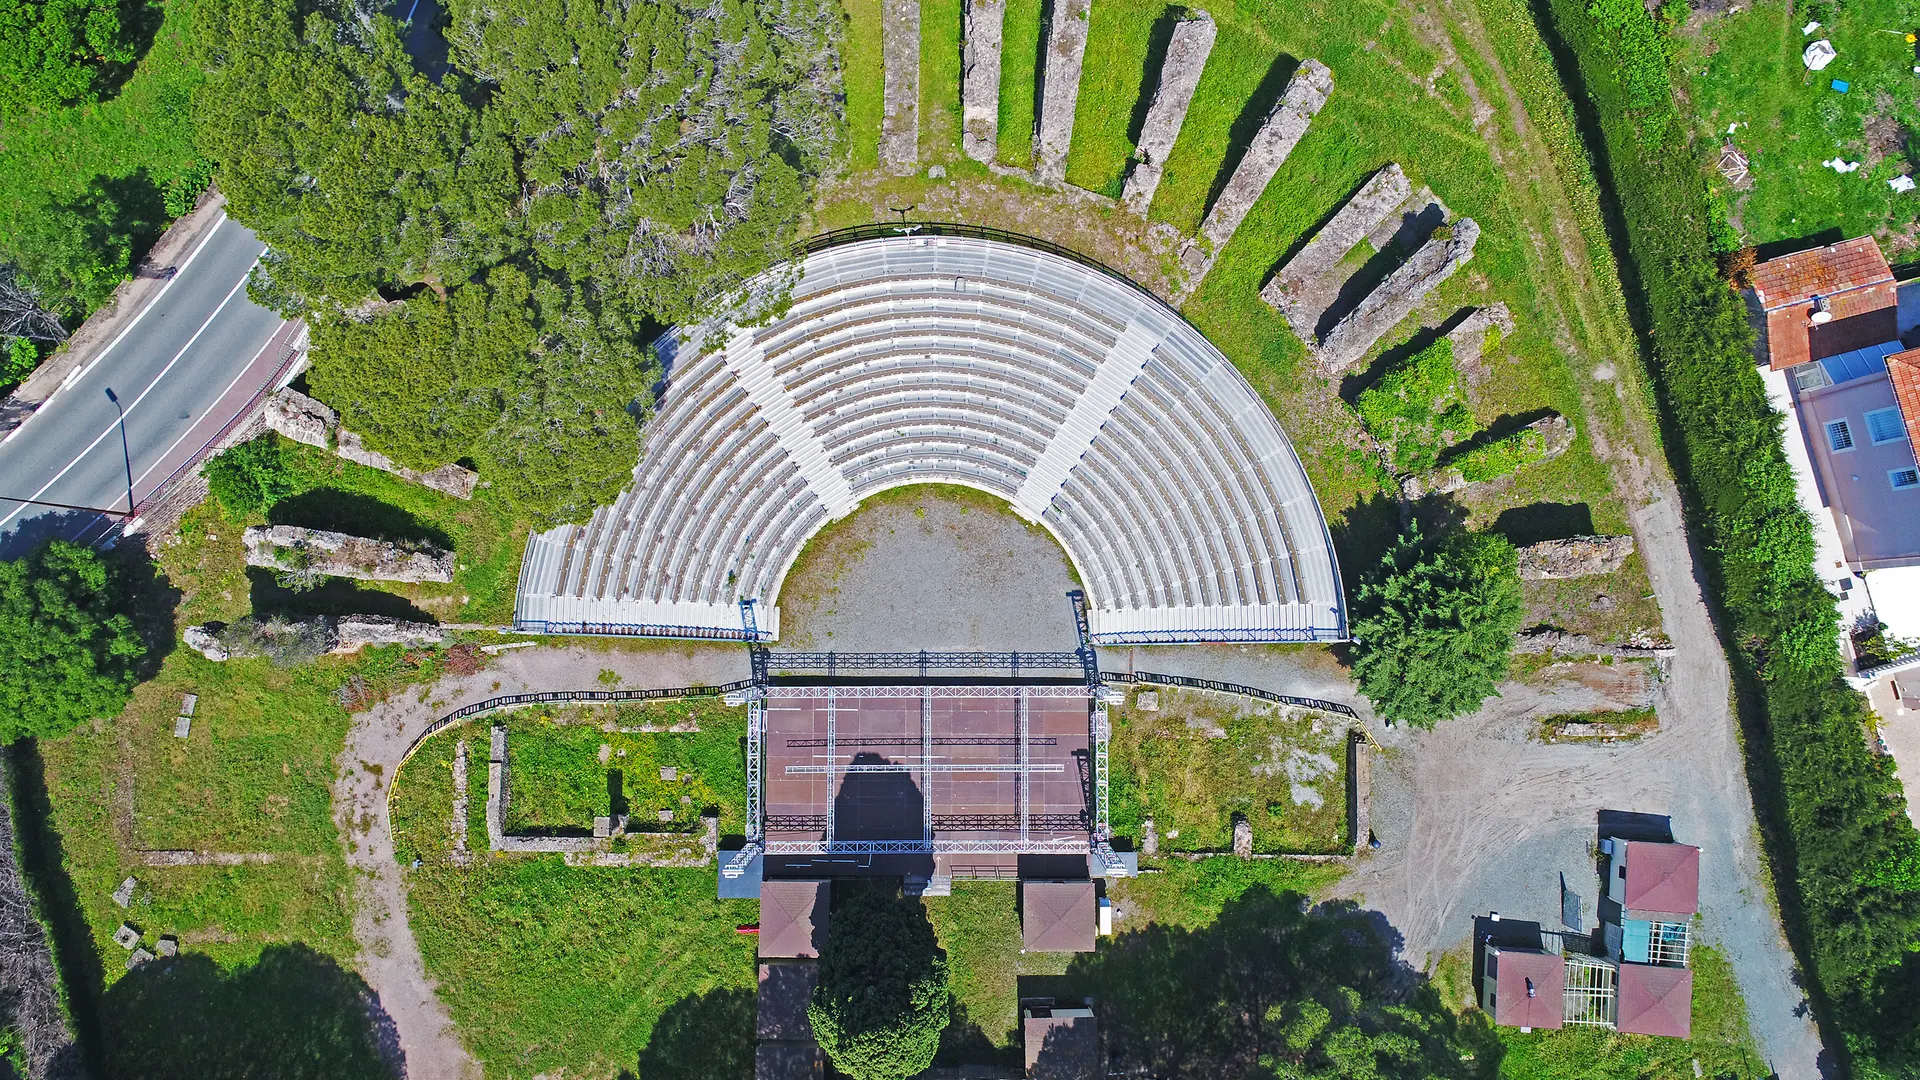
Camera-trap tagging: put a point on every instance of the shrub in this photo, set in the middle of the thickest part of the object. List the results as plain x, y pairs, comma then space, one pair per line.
1503, 456
1435, 625
21, 358
882, 999
249, 478
1418, 407
67, 650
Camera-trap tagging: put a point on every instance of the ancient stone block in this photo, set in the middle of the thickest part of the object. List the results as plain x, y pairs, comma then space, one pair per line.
123, 895
353, 632
1470, 337
1149, 838
669, 772
900, 95
1576, 556
1242, 836
202, 641
341, 555
1395, 298
1306, 92
1147, 701
447, 479
126, 937
1369, 206
137, 958
182, 726
300, 418
168, 946
603, 826
1179, 75
189, 702
1066, 48
980, 81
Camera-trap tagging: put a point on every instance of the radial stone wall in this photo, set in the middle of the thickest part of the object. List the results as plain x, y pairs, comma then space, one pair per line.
980, 84
1060, 87
1179, 77
1087, 404
1285, 126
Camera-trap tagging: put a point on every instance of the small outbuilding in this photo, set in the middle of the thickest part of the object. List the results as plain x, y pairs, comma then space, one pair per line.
793, 917
1061, 1044
1524, 988
1058, 916
1656, 999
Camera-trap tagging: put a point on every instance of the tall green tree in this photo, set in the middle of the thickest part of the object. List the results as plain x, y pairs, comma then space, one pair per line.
536, 385
67, 649
1435, 625
882, 999
55, 53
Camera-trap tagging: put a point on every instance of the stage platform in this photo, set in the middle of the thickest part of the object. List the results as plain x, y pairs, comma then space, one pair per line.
957, 770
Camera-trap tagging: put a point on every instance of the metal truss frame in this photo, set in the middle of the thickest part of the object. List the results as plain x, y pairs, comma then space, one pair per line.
1025, 760
834, 769
756, 734
926, 761
839, 663
1055, 846
959, 692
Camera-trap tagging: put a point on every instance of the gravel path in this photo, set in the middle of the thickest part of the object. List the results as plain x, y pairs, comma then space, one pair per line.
925, 572
389, 957
1476, 816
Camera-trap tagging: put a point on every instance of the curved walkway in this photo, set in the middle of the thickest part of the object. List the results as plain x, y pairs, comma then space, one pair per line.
389, 958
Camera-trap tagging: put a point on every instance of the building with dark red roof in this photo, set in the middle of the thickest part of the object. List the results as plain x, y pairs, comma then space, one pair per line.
1524, 988
1655, 1000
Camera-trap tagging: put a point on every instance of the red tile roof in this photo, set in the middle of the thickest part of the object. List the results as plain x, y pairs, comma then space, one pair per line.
1662, 880
1057, 916
1903, 368
793, 918
1530, 988
1656, 1000
1858, 285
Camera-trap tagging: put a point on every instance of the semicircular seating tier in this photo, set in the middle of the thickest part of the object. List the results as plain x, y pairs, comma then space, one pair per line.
1084, 402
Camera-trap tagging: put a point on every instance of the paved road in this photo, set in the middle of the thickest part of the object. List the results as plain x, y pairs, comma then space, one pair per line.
180, 370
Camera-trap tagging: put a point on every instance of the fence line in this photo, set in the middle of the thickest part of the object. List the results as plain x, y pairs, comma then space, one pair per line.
506, 701
1157, 679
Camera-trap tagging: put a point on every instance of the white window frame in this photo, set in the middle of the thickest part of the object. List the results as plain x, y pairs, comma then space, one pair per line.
1894, 475
1846, 429
1899, 426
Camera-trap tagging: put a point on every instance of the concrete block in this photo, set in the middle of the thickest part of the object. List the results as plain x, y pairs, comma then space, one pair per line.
980, 79
669, 772
1066, 48
138, 957
1396, 297
126, 937
182, 726
1283, 129
1369, 206
189, 702
603, 827
123, 895
1179, 76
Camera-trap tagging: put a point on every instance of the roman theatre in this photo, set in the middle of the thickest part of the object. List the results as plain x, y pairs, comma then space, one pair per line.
946, 356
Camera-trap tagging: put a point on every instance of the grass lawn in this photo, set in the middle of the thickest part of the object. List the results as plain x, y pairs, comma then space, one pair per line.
1019, 71
208, 559
940, 71
1420, 91
549, 969
1746, 69
865, 73
1203, 757
1721, 1046
558, 782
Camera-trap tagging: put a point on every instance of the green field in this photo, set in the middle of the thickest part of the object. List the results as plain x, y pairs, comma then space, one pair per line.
1019, 68
1746, 69
1201, 758
547, 967
559, 784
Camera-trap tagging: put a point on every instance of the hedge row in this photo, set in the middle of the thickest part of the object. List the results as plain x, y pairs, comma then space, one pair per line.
1844, 852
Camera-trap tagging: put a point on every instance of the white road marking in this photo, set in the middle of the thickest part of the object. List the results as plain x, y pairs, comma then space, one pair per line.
241, 284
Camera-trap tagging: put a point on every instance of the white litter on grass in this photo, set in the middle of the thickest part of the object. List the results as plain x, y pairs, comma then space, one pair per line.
1809, 28
1735, 126
1841, 165
1901, 184
1818, 55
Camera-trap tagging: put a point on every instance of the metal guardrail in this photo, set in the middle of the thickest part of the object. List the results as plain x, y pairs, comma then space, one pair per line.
1154, 678
506, 701
838, 663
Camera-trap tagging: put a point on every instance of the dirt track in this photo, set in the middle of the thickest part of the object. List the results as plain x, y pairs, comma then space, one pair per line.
390, 959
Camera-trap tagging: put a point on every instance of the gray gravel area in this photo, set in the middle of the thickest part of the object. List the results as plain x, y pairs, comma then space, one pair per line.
922, 571
389, 957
